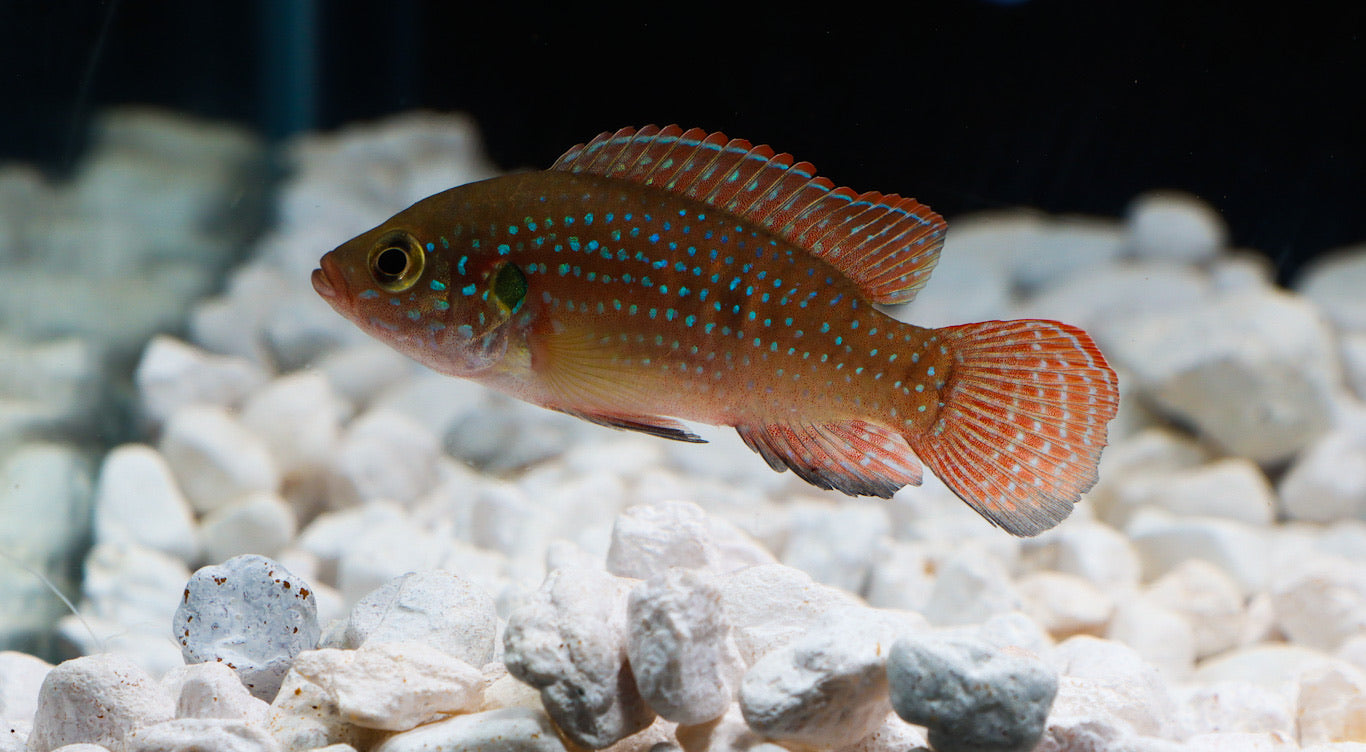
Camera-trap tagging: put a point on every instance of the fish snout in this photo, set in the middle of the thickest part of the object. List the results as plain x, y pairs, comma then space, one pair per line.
327, 280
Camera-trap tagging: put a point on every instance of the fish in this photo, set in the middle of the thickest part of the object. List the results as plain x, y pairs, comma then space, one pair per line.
656, 275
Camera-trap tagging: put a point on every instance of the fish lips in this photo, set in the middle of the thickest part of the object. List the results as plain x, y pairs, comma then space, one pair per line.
329, 283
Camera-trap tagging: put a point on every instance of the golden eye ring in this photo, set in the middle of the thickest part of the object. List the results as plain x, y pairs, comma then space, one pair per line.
396, 261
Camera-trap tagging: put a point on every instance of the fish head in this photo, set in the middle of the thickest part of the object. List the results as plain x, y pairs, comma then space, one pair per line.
438, 301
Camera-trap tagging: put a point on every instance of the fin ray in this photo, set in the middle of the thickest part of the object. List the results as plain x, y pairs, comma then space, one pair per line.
851, 231
1025, 417
854, 457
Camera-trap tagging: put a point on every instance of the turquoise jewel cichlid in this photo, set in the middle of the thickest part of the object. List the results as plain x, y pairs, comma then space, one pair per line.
656, 274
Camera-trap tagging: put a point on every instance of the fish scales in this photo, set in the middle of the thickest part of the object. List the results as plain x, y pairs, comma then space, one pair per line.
656, 274
709, 317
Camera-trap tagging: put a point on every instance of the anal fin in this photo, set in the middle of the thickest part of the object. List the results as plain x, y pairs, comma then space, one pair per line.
653, 425
853, 457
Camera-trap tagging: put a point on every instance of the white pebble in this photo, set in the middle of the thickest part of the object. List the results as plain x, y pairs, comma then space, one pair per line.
389, 549
1327, 482
201, 735
510, 729
383, 455
724, 734
1158, 634
894, 735
1267, 349
173, 374
1353, 350
1175, 227
303, 717
679, 642
569, 640
215, 458
299, 417
393, 686
21, 677
970, 695
649, 539
1124, 687
770, 605
1010, 630
212, 690
138, 501
902, 575
1240, 742
127, 696
250, 613
1102, 299
1334, 282
970, 588
1149, 453
1232, 488
1064, 604
1096, 552
1238, 707
231, 323
1332, 705
836, 543
441, 609
1162, 541
826, 687
361, 371
1270, 664
1209, 599
256, 523
1080, 720
1322, 602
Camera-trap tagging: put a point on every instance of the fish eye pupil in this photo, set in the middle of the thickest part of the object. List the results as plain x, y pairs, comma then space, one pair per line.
391, 263
396, 261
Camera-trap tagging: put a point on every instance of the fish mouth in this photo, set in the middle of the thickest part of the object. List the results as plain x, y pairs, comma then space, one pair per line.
327, 280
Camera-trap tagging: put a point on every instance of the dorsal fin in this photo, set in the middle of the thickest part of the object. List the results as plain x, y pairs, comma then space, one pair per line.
886, 244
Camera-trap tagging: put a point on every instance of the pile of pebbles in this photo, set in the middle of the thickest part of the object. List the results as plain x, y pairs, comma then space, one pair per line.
95, 262
321, 545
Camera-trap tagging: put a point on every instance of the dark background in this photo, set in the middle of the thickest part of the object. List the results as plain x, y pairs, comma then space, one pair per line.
1065, 105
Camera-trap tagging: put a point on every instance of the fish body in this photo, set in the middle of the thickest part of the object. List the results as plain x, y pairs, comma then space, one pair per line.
660, 274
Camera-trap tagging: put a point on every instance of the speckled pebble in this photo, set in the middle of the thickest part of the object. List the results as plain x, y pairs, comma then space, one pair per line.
129, 697
250, 613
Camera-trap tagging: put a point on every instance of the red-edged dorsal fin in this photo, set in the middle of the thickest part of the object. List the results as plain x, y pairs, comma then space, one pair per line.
886, 244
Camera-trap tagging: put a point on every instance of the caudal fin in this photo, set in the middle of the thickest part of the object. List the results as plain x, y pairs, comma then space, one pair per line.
1023, 422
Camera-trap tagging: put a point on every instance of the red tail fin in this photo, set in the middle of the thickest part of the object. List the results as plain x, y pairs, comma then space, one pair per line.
1023, 422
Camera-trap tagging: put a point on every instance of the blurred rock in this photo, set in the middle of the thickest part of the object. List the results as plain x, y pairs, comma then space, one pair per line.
1255, 373
1334, 282
1327, 482
1175, 227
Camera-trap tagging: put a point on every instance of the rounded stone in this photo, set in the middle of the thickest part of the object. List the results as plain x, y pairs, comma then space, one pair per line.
250, 613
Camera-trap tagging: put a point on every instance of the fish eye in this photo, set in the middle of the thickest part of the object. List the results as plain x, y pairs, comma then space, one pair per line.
396, 261
509, 286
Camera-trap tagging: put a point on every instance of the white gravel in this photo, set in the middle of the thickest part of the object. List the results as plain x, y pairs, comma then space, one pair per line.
465, 571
